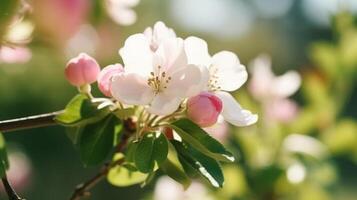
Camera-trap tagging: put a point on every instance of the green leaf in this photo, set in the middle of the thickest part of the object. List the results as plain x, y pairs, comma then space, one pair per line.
4, 162
160, 149
188, 168
122, 176
96, 140
74, 133
130, 152
204, 165
175, 173
143, 154
202, 141
80, 111
152, 148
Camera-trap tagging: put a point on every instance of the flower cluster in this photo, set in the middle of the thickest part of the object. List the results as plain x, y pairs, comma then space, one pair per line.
166, 74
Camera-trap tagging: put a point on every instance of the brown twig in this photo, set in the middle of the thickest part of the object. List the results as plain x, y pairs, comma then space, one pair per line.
82, 190
11, 193
29, 122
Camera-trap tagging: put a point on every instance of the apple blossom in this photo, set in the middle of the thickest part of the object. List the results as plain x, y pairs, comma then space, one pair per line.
82, 70
226, 74
204, 109
159, 79
168, 189
14, 54
158, 34
121, 11
273, 91
265, 85
19, 173
283, 110
69, 14
105, 76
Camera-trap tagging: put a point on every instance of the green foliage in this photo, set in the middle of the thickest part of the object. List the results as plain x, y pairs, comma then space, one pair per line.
151, 149
208, 167
143, 156
160, 149
80, 111
124, 175
175, 173
197, 137
96, 140
4, 162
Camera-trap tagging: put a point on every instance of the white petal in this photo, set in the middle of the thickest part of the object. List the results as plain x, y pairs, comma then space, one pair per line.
161, 32
197, 51
188, 81
231, 74
234, 113
122, 16
164, 104
286, 84
136, 55
172, 55
262, 77
129, 3
130, 88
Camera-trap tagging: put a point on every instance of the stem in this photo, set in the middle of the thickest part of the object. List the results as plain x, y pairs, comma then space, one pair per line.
30, 122
47, 119
82, 190
9, 190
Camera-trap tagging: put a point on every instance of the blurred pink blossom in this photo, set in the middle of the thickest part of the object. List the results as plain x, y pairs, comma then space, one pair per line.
265, 85
273, 91
14, 54
283, 110
121, 11
60, 18
19, 171
168, 189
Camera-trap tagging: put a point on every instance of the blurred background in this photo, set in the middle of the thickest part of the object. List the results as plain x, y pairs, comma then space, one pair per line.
304, 145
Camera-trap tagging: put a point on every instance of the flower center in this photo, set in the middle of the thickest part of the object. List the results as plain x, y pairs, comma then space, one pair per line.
158, 81
213, 79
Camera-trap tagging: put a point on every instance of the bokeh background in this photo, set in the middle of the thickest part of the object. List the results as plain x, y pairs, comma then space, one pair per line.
317, 38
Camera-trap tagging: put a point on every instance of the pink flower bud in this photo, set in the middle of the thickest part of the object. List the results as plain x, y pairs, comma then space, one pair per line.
82, 70
204, 109
105, 76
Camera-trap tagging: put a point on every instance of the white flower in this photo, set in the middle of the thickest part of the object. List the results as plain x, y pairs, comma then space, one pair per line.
159, 79
273, 91
121, 11
158, 34
264, 85
226, 74
168, 189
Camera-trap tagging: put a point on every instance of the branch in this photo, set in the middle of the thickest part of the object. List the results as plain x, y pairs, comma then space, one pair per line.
82, 190
29, 122
9, 190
